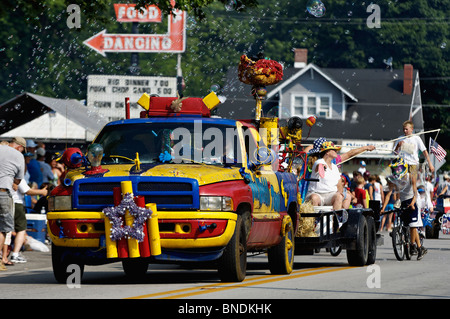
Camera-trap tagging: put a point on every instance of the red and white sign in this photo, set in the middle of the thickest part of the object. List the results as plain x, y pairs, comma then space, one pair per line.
129, 13
174, 41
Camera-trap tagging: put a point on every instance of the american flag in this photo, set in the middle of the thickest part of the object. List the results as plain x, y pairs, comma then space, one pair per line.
437, 150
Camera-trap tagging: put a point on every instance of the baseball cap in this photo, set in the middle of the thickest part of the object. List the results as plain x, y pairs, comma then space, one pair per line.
31, 143
20, 141
40, 151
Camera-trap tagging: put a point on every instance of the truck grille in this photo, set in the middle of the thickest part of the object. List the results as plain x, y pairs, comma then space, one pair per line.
168, 193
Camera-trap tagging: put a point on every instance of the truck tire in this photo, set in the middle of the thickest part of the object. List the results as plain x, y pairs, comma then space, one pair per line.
281, 256
358, 256
372, 253
60, 265
232, 265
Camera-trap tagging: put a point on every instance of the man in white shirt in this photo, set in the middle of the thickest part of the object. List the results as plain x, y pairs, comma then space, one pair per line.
12, 169
20, 219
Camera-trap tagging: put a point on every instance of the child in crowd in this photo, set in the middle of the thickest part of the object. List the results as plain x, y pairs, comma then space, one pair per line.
360, 193
405, 185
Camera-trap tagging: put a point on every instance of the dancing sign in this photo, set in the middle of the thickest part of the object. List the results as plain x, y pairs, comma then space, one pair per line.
174, 41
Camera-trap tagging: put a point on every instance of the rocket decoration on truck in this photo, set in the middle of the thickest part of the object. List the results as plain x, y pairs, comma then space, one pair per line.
259, 74
116, 214
139, 236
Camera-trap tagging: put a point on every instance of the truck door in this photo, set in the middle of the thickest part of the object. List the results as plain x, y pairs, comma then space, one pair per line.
265, 191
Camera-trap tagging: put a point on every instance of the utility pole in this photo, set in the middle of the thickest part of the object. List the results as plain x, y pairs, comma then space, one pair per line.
134, 68
179, 76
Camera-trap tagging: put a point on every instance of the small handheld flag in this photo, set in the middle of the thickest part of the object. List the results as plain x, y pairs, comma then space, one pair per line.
437, 150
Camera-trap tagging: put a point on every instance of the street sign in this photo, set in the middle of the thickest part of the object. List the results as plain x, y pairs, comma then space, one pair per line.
129, 13
106, 93
174, 41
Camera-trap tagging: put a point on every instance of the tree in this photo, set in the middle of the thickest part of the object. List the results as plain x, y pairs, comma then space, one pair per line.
40, 54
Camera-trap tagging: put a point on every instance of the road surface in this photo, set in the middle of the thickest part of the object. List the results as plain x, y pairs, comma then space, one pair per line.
316, 277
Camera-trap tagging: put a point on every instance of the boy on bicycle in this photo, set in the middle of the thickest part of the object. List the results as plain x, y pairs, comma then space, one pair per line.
402, 182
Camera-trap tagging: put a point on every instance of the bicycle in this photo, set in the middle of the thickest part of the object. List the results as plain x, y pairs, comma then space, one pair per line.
401, 235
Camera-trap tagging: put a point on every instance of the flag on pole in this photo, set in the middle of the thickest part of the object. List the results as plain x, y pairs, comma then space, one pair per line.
437, 150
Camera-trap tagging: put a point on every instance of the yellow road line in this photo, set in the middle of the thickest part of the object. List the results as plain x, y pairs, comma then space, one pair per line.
195, 288
285, 277
247, 282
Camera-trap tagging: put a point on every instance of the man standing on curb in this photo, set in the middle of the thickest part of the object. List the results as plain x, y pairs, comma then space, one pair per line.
12, 169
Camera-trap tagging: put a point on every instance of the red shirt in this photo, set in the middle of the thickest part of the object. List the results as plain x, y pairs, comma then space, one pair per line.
360, 194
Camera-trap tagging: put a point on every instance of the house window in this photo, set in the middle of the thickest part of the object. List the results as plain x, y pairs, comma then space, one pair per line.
312, 104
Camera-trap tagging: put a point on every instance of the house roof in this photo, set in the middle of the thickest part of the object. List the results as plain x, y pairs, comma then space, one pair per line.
302, 71
26, 107
375, 105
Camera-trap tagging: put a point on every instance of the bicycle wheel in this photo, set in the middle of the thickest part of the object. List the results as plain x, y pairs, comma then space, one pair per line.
407, 241
398, 243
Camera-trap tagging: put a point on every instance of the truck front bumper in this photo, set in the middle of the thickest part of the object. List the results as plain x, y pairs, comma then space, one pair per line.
178, 230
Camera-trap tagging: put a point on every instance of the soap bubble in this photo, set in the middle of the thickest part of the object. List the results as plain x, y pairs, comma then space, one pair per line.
191, 23
316, 8
215, 88
231, 5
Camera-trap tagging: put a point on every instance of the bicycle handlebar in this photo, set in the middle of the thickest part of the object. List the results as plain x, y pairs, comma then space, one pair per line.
395, 210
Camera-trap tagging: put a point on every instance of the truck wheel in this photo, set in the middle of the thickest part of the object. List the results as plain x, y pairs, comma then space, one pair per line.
281, 256
134, 267
233, 263
358, 256
60, 265
372, 254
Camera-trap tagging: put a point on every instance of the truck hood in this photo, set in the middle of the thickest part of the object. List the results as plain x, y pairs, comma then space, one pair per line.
205, 174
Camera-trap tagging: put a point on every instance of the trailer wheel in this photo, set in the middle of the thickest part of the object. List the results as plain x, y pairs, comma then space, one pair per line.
335, 250
281, 256
232, 266
61, 264
358, 256
372, 253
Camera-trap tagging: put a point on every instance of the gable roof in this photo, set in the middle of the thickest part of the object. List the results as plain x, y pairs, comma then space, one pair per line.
302, 71
375, 104
26, 107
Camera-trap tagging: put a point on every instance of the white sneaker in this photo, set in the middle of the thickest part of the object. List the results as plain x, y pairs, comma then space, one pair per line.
18, 259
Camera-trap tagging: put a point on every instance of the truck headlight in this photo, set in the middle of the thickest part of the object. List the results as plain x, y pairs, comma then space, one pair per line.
57, 203
217, 203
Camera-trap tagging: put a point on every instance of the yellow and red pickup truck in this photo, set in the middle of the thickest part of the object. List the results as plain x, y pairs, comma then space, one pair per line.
214, 181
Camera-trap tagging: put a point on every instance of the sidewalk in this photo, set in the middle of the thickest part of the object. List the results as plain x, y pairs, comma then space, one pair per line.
35, 260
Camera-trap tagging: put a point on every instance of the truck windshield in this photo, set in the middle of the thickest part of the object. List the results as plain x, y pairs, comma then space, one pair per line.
195, 142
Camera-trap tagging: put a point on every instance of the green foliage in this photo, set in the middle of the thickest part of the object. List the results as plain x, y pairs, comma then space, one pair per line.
40, 54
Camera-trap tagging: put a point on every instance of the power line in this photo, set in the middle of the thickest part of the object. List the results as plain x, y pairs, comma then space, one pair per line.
349, 20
